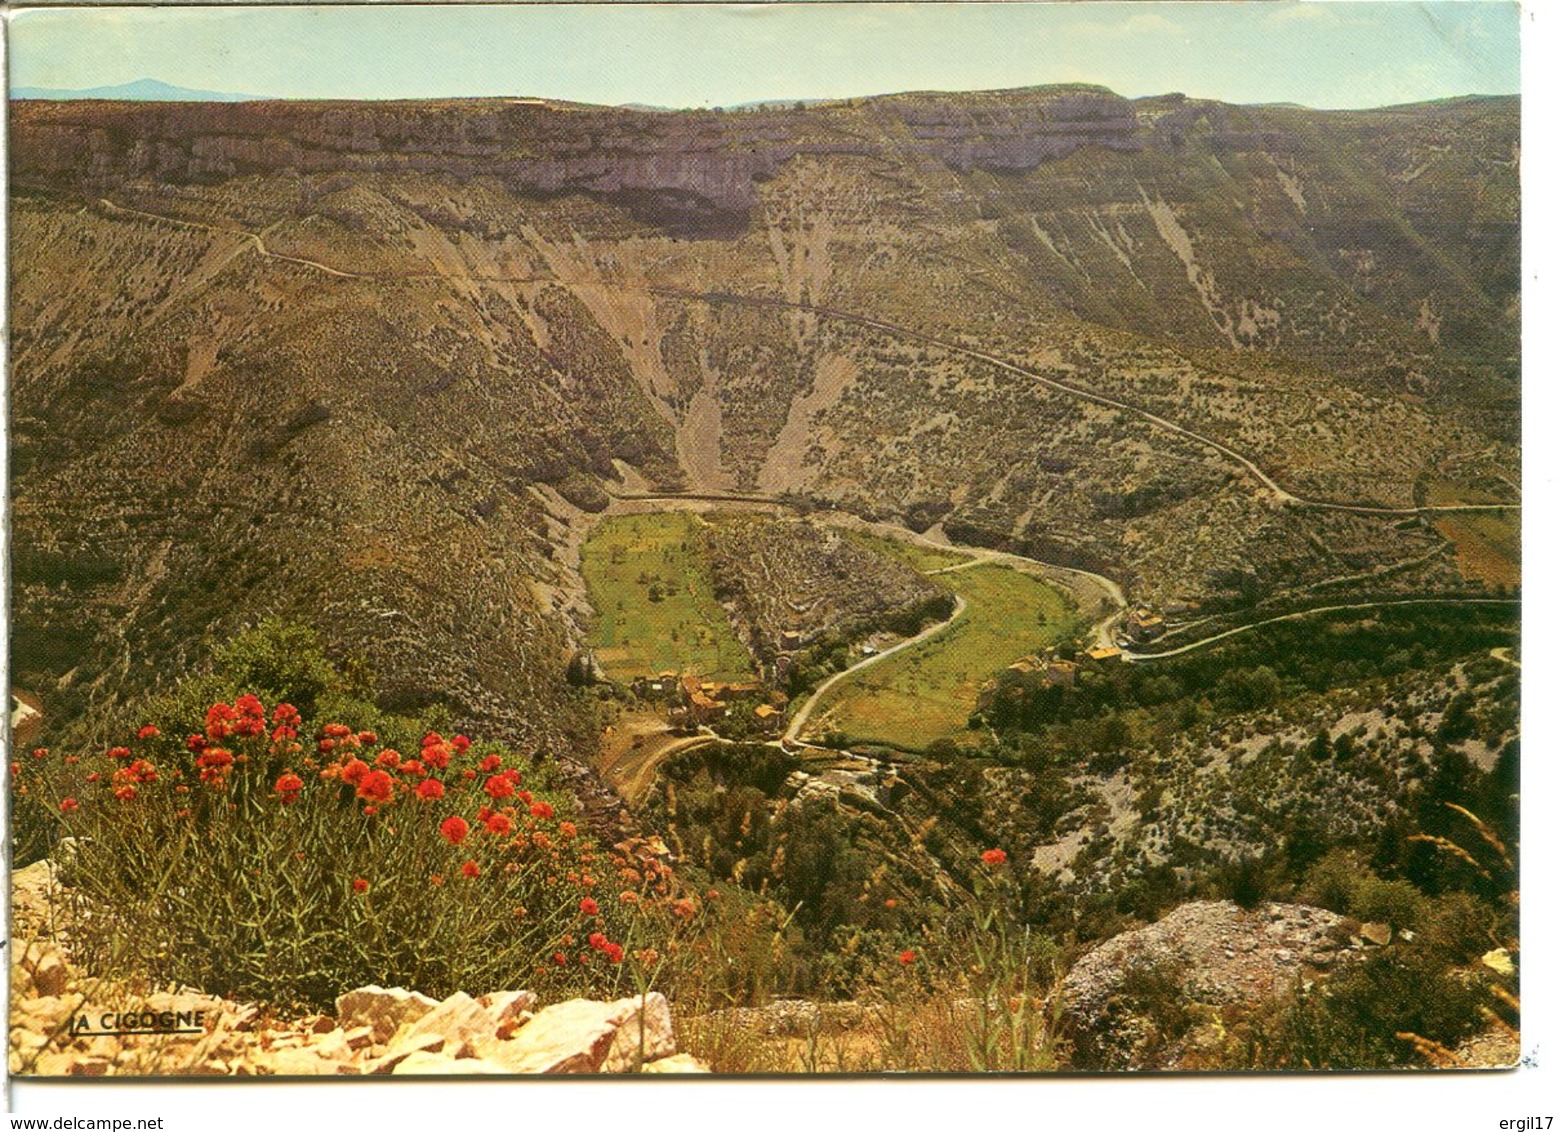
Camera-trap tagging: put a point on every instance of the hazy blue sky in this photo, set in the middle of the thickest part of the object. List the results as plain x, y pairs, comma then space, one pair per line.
1327, 54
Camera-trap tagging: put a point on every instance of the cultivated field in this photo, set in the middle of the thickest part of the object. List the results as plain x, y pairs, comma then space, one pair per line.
655, 607
1486, 544
927, 693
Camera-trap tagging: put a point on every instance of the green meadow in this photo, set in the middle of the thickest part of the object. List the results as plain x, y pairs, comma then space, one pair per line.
927, 692
655, 606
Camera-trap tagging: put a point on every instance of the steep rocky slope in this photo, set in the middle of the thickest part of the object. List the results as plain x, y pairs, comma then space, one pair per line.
368, 364
791, 582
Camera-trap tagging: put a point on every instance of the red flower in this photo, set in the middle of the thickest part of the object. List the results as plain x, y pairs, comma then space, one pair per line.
114, 752
252, 715
437, 755
16, 769
336, 730
461, 743
490, 764
589, 906
368, 737
430, 790
360, 885
285, 715
499, 825
542, 810
614, 952
597, 940
454, 829
353, 773
567, 829
288, 786
93, 777
994, 857
469, 774
388, 759
219, 721
499, 787
196, 743
69, 805
215, 763
376, 787
413, 769
470, 870
142, 771
559, 958
684, 908
432, 738
907, 958
125, 793
148, 732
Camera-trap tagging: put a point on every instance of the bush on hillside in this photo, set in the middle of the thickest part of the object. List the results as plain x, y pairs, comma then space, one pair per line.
261, 856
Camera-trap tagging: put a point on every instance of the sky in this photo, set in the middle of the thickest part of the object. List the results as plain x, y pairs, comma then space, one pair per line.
1321, 53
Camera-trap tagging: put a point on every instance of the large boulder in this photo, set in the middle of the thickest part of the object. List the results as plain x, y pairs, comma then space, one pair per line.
1151, 998
582, 1036
384, 1010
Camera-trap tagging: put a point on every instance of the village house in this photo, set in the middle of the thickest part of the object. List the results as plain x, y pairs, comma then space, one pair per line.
1027, 675
770, 718
696, 703
1060, 673
1144, 625
662, 686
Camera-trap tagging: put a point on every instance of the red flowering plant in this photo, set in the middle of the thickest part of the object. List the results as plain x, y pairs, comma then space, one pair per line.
260, 854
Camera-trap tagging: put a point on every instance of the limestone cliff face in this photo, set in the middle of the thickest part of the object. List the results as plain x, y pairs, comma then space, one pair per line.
550, 147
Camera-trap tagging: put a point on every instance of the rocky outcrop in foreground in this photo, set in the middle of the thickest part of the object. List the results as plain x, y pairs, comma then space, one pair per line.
1150, 998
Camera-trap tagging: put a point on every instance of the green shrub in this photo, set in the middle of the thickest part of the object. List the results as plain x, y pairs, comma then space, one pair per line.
1459, 928
1354, 1021
1394, 902
1333, 880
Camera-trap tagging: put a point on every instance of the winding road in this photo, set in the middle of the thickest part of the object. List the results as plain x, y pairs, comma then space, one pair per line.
801, 717
1159, 421
1142, 657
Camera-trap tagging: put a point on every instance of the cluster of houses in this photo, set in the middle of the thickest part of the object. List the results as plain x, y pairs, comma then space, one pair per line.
693, 702
1143, 625
1032, 673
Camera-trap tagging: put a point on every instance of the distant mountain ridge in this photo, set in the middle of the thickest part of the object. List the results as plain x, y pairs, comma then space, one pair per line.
140, 90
